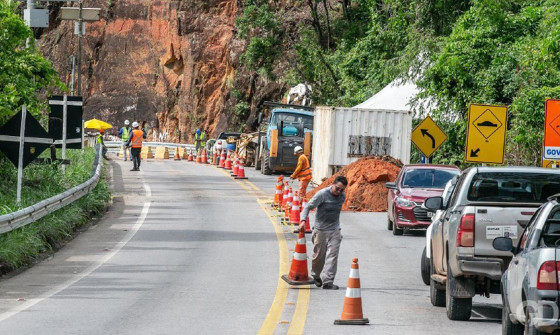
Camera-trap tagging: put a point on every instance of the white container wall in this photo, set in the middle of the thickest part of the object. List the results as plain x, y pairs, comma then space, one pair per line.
344, 135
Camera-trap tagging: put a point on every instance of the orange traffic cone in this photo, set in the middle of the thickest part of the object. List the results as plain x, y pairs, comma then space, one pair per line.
284, 197
298, 271
177, 157
204, 158
235, 166
214, 157
222, 159
352, 309
228, 161
288, 206
190, 158
294, 212
240, 171
198, 158
277, 194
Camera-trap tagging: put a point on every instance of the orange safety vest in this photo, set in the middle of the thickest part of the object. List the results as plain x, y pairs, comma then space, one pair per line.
305, 172
137, 137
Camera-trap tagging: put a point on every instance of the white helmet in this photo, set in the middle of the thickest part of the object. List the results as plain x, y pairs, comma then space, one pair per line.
297, 149
134, 124
126, 122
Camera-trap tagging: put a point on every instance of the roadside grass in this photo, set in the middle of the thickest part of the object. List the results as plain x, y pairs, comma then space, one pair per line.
26, 245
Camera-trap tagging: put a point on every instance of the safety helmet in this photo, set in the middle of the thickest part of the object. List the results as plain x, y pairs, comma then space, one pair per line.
134, 124
126, 122
297, 149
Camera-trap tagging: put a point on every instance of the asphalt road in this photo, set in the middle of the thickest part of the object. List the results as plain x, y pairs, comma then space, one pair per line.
185, 249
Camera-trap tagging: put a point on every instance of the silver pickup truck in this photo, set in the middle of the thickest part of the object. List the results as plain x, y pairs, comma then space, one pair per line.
487, 202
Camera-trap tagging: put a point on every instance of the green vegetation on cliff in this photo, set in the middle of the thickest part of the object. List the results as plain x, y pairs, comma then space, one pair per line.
458, 52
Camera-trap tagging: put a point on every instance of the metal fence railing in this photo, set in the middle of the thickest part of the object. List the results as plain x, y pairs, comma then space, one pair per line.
32, 213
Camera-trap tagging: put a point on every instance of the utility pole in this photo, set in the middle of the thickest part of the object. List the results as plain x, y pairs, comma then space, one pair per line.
80, 29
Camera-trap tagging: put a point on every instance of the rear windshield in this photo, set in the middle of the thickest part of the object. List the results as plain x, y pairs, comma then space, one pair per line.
427, 178
513, 187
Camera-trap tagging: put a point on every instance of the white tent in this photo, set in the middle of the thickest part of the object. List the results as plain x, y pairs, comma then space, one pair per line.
395, 96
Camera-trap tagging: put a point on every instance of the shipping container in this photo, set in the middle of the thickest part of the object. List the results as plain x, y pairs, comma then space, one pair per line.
344, 135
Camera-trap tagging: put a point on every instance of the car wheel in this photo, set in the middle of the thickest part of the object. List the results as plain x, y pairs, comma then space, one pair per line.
396, 230
265, 168
508, 327
425, 268
530, 328
389, 224
458, 309
437, 296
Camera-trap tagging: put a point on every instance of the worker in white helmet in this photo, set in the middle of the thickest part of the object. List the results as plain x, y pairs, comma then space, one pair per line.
302, 172
124, 134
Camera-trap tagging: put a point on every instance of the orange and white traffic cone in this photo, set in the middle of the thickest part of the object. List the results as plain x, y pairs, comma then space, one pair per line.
294, 212
198, 157
240, 171
352, 310
228, 161
285, 195
298, 271
222, 159
190, 158
214, 157
288, 206
277, 194
177, 157
235, 166
204, 158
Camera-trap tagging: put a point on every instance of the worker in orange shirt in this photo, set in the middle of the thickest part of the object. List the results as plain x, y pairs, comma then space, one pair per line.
302, 172
135, 142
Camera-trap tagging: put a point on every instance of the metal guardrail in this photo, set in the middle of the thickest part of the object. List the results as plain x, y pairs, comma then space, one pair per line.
9, 222
115, 146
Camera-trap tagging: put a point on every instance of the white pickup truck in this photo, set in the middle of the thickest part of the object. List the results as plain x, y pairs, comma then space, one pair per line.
487, 202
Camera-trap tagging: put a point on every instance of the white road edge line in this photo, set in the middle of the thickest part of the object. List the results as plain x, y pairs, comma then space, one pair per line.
32, 302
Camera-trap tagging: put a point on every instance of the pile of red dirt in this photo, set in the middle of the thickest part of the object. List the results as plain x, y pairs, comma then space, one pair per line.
366, 191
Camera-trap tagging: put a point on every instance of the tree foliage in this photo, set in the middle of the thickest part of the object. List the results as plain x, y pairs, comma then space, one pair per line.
458, 52
23, 70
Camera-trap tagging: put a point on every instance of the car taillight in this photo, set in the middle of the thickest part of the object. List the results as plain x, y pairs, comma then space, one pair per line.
548, 276
465, 233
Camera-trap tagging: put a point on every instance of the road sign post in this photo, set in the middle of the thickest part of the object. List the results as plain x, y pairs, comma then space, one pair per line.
20, 155
428, 137
486, 134
551, 141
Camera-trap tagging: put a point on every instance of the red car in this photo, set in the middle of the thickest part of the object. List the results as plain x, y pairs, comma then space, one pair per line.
406, 195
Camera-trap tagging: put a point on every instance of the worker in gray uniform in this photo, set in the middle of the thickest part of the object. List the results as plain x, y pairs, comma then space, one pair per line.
326, 235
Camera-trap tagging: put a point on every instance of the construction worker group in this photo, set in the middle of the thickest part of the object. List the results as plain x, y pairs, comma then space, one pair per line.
132, 139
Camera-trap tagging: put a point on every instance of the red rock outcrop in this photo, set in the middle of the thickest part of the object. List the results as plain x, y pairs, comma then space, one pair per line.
169, 62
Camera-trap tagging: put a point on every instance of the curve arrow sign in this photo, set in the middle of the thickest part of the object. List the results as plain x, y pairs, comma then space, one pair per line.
426, 133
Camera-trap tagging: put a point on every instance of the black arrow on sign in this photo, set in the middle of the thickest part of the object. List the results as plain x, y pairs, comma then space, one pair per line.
425, 133
474, 153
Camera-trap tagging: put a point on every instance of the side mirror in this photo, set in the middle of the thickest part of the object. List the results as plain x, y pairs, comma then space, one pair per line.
503, 244
434, 203
260, 119
391, 186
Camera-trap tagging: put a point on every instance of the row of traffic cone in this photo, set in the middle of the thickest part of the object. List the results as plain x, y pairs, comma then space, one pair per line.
237, 167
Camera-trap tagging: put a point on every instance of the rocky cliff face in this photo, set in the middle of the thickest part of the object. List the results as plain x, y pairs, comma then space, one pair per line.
172, 63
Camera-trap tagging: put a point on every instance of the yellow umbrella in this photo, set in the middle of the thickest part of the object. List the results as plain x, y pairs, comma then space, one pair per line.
97, 124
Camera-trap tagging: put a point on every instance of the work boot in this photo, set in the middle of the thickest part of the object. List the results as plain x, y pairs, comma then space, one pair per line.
318, 281
330, 286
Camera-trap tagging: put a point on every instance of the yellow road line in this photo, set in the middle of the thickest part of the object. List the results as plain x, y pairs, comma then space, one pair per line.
300, 313
273, 316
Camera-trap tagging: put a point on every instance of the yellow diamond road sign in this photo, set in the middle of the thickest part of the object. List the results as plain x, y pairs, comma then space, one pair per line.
428, 137
486, 134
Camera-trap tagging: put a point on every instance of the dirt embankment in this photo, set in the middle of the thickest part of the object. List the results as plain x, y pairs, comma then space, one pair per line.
366, 191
